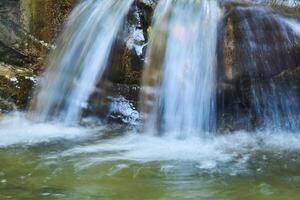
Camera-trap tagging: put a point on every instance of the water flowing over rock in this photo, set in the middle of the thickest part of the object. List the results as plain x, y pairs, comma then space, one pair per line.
184, 89
258, 56
259, 44
287, 3
122, 77
79, 59
127, 59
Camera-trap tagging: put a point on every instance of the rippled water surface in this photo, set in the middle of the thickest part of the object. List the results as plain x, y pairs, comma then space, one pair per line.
106, 163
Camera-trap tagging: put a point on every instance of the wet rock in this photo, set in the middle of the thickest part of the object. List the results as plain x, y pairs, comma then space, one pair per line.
275, 3
257, 44
16, 86
27, 31
289, 75
12, 56
114, 102
12, 32
10, 9
263, 43
126, 63
28, 28
118, 93
124, 111
44, 18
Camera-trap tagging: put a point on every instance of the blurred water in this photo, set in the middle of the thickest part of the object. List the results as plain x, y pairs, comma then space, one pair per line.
184, 92
46, 161
79, 59
49, 160
263, 55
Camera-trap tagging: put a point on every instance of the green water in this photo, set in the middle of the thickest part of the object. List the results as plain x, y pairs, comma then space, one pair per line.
136, 167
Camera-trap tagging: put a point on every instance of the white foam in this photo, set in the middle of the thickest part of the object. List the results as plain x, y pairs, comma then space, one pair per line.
17, 129
207, 153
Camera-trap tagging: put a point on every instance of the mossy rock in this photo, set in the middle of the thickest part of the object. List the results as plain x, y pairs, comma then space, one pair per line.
128, 54
288, 75
44, 18
16, 87
241, 69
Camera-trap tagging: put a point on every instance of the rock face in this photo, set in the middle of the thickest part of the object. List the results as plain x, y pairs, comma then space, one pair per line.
122, 79
16, 77
10, 34
27, 29
257, 45
114, 102
9, 9
43, 18
15, 87
126, 63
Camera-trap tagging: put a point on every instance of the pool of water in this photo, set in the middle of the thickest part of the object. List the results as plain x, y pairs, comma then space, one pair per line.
49, 161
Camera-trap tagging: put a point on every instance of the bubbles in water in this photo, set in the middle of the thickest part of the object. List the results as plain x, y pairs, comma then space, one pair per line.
17, 129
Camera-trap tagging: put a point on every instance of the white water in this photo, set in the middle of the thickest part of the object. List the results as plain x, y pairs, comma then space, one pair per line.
208, 152
275, 104
185, 95
79, 59
229, 153
16, 129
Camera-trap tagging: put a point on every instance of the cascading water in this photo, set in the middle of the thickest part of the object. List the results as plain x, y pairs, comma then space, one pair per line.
79, 59
271, 103
275, 102
111, 161
184, 97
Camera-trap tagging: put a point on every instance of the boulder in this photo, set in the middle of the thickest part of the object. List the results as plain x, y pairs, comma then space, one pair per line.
127, 60
114, 102
16, 86
44, 18
257, 44
27, 31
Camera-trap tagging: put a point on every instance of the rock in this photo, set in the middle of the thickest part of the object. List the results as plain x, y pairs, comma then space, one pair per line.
16, 86
27, 31
44, 18
114, 102
275, 3
12, 56
10, 9
256, 46
126, 63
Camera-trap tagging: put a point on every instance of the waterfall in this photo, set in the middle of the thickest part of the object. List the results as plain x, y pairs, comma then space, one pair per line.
274, 102
179, 80
263, 97
79, 59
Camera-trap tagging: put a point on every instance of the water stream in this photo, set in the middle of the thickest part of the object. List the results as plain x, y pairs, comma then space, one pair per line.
79, 60
53, 157
185, 97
